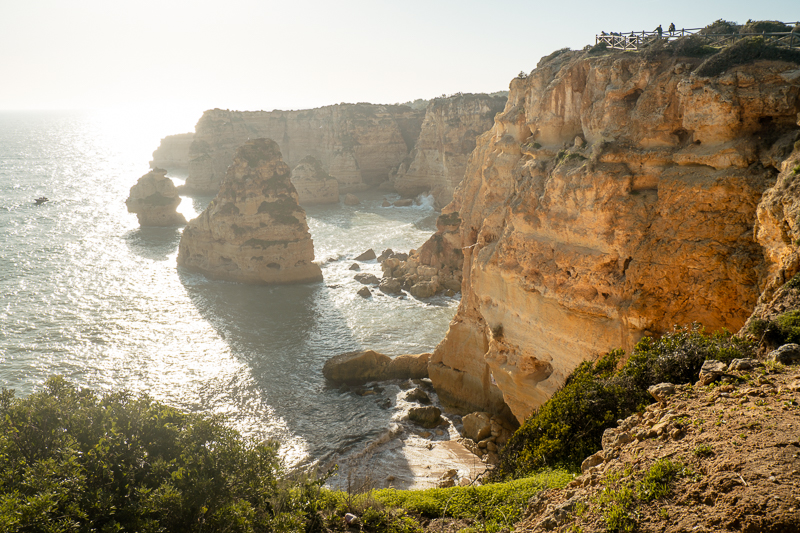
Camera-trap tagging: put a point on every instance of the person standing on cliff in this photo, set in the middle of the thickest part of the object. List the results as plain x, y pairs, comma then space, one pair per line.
659, 31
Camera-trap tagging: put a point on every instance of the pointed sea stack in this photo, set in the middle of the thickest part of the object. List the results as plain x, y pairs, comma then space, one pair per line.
254, 231
154, 199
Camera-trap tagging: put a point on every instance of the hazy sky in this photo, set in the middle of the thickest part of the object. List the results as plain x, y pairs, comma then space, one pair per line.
262, 54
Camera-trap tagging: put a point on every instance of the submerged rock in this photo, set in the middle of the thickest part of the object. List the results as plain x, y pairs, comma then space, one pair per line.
253, 231
154, 199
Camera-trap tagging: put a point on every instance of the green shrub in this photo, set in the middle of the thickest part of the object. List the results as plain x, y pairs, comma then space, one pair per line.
73, 460
568, 427
691, 46
598, 48
720, 27
781, 330
657, 481
745, 51
765, 26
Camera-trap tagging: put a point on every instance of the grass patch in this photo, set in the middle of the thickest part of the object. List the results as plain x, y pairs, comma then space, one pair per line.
703, 450
569, 427
493, 506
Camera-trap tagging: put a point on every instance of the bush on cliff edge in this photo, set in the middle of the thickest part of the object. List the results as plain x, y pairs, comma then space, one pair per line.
72, 460
743, 52
569, 427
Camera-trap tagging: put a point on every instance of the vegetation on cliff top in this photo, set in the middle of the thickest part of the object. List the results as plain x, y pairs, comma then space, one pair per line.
568, 428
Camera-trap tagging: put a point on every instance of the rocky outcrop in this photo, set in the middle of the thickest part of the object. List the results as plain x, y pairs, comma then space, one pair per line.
313, 184
614, 197
154, 199
446, 140
173, 152
357, 143
253, 231
360, 367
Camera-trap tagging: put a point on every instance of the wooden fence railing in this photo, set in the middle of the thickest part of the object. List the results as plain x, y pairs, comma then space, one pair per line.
635, 40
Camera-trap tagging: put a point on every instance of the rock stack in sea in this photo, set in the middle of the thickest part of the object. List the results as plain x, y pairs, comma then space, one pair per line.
154, 199
173, 152
253, 231
313, 184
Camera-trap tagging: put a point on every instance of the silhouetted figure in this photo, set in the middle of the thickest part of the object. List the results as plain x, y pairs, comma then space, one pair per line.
659, 31
671, 28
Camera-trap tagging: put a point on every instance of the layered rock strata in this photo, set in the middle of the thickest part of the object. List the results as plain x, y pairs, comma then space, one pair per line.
253, 231
313, 184
446, 140
155, 199
173, 152
358, 144
614, 197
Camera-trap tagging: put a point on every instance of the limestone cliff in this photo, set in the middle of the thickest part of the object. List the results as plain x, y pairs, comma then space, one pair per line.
358, 144
154, 199
253, 231
446, 140
313, 184
173, 152
614, 197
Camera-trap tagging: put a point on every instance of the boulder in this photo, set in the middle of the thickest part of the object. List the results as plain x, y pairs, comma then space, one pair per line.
351, 199
788, 354
417, 395
744, 364
367, 278
409, 366
661, 391
364, 292
592, 461
405, 202
477, 426
386, 203
712, 371
428, 417
356, 367
386, 254
390, 286
367, 256
423, 289
355, 266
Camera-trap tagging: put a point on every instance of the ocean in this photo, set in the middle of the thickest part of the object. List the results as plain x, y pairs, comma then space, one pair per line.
87, 294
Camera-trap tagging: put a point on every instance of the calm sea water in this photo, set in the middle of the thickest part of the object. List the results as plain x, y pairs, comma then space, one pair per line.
87, 294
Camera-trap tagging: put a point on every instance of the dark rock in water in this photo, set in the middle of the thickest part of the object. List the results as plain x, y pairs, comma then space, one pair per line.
428, 417
386, 254
360, 367
366, 278
391, 286
364, 292
386, 203
367, 256
354, 266
405, 202
418, 395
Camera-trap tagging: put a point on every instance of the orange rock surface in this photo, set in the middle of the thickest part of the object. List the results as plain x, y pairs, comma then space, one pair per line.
253, 231
614, 197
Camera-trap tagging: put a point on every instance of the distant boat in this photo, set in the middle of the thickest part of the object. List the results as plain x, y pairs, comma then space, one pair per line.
41, 200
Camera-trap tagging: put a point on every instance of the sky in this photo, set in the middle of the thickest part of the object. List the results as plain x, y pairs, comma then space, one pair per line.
261, 54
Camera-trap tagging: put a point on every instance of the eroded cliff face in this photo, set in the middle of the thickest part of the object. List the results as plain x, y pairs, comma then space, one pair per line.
614, 198
358, 144
253, 231
446, 140
173, 152
313, 184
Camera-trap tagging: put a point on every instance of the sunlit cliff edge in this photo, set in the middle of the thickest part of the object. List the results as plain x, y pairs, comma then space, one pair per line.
615, 197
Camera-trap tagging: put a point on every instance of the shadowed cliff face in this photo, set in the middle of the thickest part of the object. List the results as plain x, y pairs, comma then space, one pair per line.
357, 143
447, 137
614, 197
253, 231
